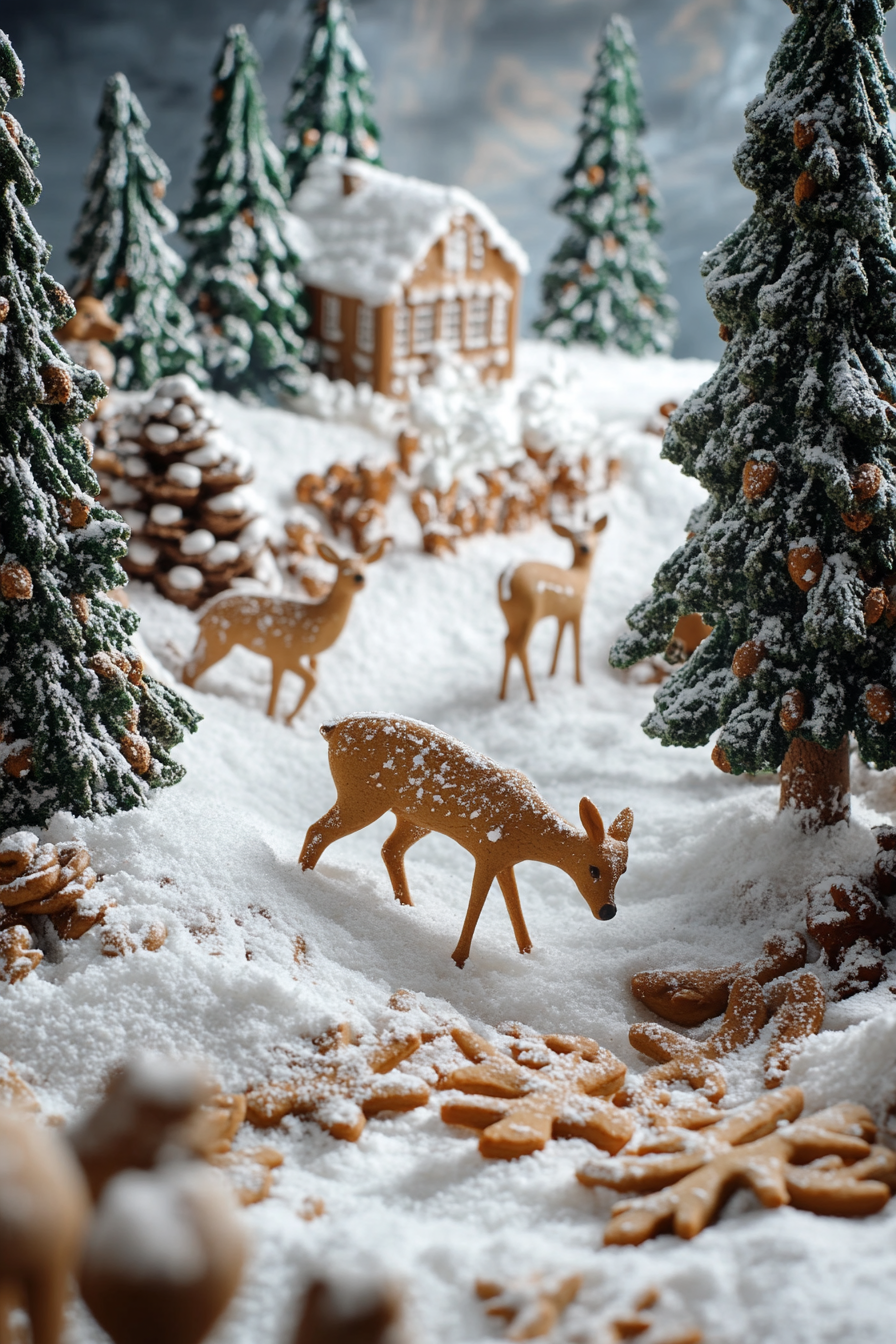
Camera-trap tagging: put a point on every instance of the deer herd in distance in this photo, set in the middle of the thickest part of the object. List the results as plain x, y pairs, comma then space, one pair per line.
352, 500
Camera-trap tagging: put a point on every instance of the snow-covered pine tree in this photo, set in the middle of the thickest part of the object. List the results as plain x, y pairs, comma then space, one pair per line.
606, 283
791, 559
121, 255
330, 102
242, 280
81, 727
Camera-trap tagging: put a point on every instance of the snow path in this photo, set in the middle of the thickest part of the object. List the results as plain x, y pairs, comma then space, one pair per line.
711, 872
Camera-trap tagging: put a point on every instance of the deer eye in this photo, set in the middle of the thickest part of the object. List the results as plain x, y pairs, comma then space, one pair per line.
595, 872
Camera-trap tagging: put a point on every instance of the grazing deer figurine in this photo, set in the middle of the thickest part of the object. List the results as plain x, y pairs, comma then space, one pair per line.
432, 782
281, 628
534, 590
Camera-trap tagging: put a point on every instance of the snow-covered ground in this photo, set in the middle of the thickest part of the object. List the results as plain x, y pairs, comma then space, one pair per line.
712, 870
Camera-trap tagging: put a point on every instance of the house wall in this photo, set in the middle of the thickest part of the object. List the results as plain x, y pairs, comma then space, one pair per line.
464, 293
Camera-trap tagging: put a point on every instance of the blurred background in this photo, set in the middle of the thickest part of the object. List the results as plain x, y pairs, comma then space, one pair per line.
485, 93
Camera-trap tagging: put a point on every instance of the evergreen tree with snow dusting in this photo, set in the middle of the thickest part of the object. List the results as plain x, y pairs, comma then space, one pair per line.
120, 252
82, 727
330, 103
792, 558
242, 273
606, 284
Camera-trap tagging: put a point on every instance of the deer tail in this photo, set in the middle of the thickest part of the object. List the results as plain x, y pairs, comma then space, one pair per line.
328, 729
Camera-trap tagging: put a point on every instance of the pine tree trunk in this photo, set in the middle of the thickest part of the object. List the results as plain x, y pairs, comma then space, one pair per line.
816, 780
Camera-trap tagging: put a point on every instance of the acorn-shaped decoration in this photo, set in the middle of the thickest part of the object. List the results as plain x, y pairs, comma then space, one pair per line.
793, 710
18, 763
135, 750
4, 307
867, 481
57, 383
875, 605
804, 564
75, 511
879, 703
720, 760
759, 477
805, 187
725, 332
857, 522
747, 658
803, 133
15, 582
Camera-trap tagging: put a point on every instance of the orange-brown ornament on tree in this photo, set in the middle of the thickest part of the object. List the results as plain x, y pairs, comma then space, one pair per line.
720, 759
875, 605
867, 481
793, 710
747, 658
57, 382
15, 582
804, 565
803, 133
758, 478
879, 703
805, 187
725, 332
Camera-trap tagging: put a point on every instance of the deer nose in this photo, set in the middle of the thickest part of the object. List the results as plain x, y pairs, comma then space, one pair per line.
359, 578
607, 911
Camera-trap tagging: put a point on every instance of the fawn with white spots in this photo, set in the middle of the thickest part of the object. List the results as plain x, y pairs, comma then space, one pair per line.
534, 590
432, 782
281, 628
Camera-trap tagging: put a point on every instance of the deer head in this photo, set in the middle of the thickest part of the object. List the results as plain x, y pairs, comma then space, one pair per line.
351, 568
584, 539
603, 858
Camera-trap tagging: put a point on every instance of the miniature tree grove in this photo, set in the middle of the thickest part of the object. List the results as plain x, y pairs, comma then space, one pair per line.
330, 102
242, 276
81, 726
606, 283
120, 252
791, 559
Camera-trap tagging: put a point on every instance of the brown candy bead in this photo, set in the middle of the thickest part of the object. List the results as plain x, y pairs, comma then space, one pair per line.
867, 481
747, 658
758, 478
803, 133
793, 710
15, 582
720, 760
879, 703
805, 187
875, 605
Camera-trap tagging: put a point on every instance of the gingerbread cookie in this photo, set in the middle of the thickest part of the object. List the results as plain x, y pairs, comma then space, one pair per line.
340, 1084
531, 1306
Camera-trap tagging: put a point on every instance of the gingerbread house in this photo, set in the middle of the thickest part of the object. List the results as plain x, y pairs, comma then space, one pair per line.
397, 269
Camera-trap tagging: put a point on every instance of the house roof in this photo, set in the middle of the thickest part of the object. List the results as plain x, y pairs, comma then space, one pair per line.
367, 245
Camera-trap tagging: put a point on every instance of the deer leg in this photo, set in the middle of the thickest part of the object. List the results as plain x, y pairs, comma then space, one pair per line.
406, 833
9, 1299
310, 680
561, 626
508, 654
523, 656
577, 639
510, 892
333, 825
45, 1293
197, 663
482, 882
276, 678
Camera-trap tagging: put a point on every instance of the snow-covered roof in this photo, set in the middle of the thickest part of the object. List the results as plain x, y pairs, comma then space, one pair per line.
367, 245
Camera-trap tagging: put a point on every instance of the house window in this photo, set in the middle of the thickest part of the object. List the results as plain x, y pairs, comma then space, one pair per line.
500, 315
424, 327
331, 313
477, 250
477, 324
455, 250
365, 336
450, 324
401, 344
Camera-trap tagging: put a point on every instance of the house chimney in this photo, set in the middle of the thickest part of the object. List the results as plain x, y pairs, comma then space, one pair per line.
350, 184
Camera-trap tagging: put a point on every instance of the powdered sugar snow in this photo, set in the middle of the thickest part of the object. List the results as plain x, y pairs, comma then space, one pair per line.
711, 872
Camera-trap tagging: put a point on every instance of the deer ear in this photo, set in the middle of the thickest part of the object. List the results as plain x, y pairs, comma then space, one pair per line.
621, 828
562, 531
376, 552
599, 525
326, 552
591, 820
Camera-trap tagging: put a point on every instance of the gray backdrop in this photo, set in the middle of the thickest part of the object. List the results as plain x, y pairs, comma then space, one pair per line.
481, 92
